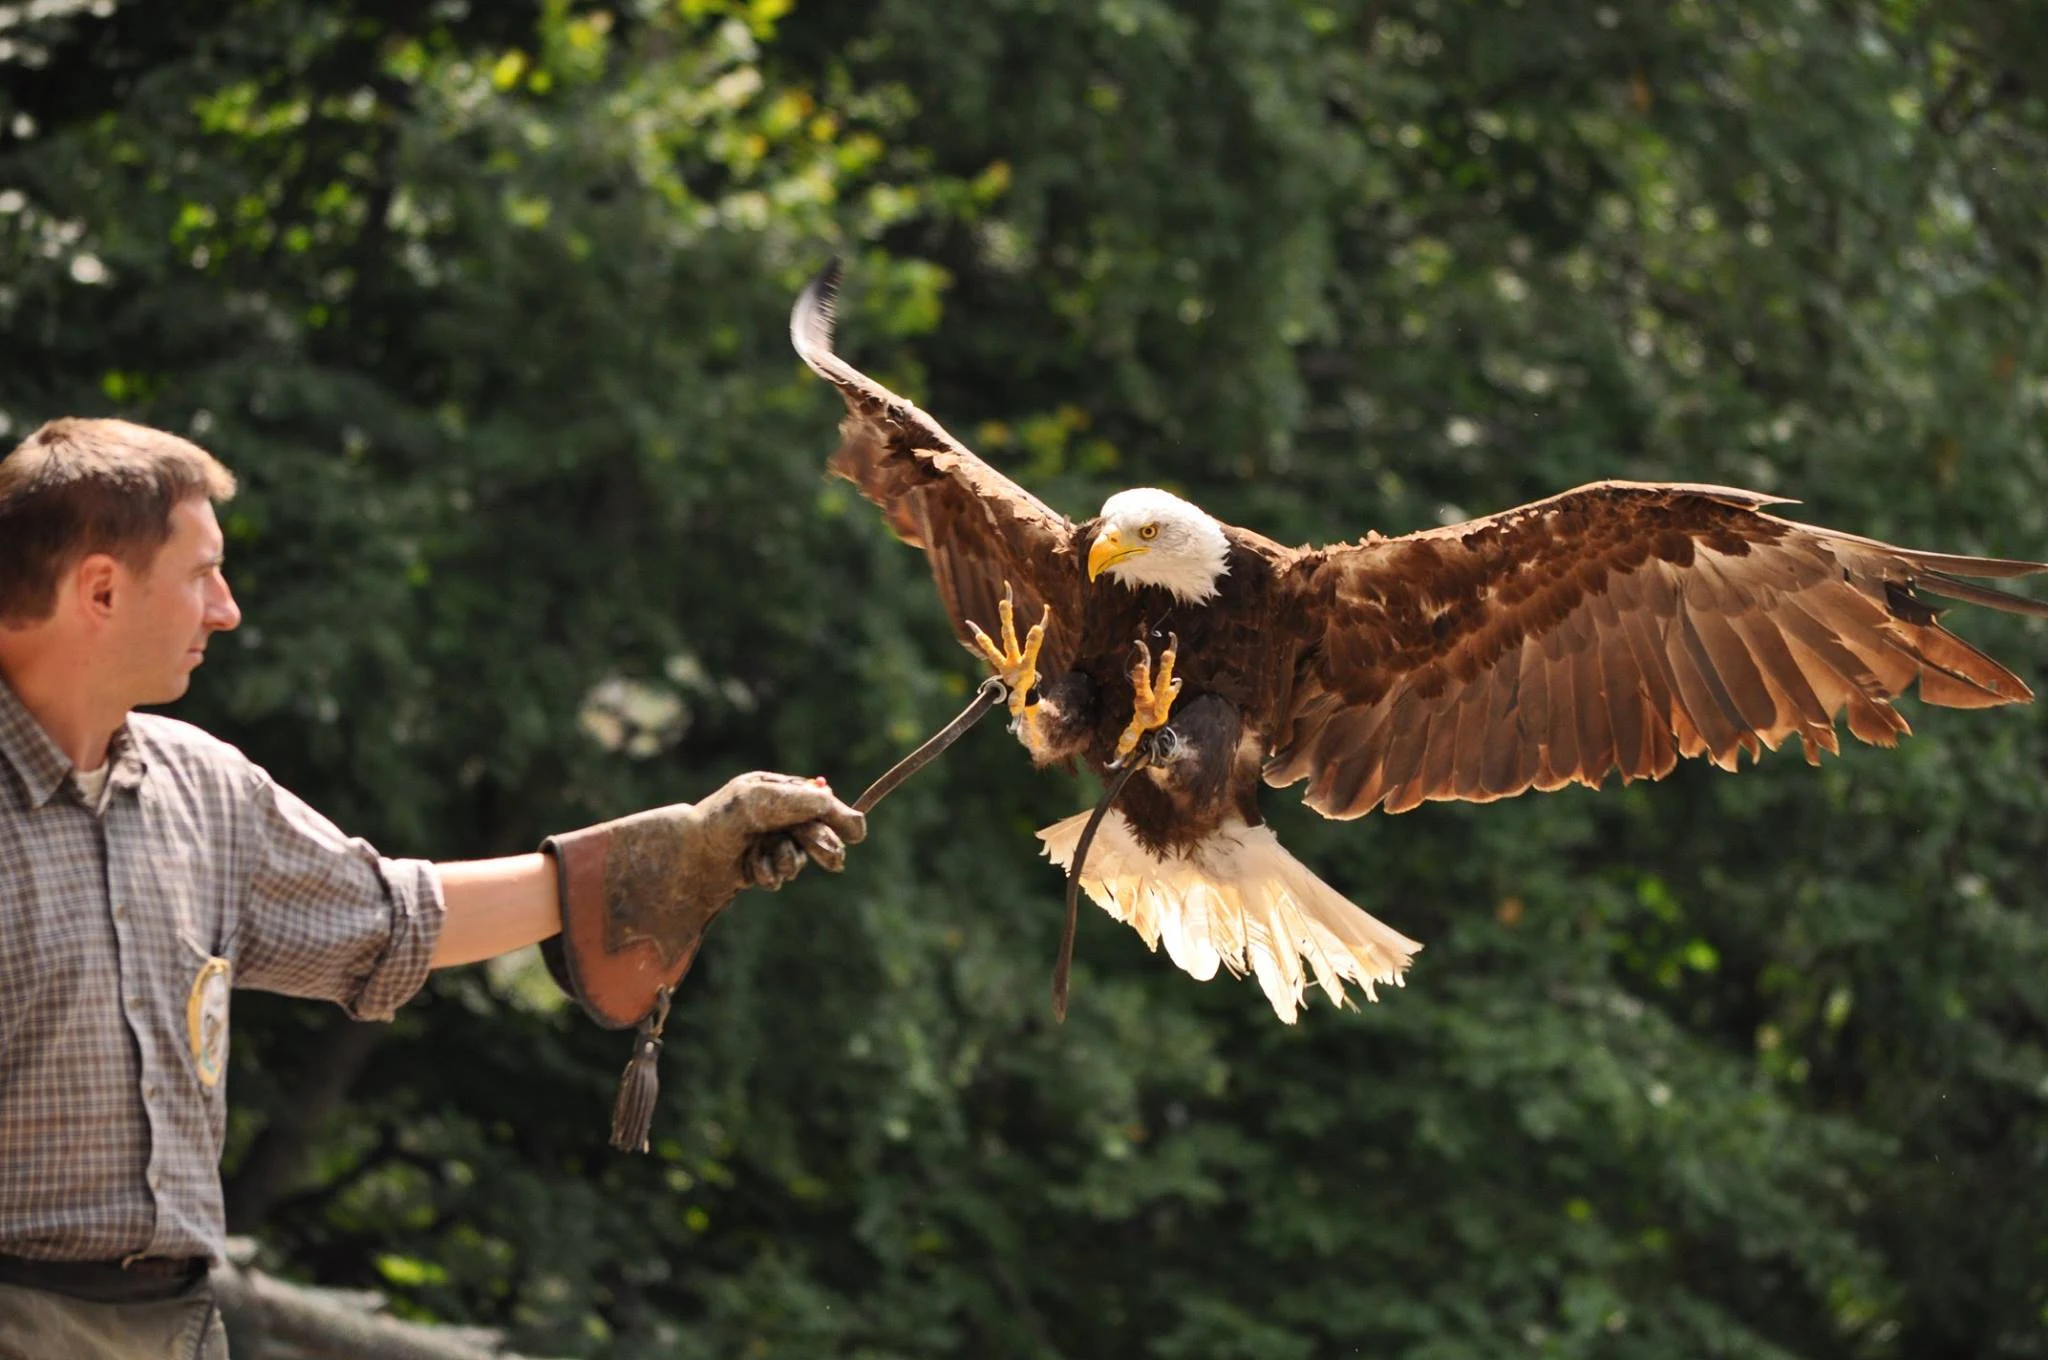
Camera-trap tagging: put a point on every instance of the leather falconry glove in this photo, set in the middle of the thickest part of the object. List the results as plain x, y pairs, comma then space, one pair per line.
638, 893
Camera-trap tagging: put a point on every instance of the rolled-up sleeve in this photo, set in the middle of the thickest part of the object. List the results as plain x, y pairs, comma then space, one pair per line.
325, 916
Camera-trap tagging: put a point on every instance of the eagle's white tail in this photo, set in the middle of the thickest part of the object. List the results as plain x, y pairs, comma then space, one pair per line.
1239, 900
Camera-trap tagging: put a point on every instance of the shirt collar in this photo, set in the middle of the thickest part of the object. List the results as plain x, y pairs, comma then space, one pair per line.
45, 770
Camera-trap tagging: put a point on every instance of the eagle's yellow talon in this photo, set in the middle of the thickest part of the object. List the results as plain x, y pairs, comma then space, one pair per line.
1153, 693
1016, 665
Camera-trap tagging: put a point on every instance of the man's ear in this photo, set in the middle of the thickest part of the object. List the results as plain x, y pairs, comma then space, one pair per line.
93, 582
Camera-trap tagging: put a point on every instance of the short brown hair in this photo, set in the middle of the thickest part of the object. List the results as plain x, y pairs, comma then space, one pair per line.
79, 486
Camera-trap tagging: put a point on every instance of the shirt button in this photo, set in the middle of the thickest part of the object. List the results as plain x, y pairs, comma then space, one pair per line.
120, 913
150, 1091
156, 1180
134, 1003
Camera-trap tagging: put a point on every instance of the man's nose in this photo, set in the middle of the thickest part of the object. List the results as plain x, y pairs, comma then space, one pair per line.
222, 613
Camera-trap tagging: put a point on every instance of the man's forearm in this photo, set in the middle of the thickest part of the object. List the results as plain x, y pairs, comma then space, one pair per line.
496, 906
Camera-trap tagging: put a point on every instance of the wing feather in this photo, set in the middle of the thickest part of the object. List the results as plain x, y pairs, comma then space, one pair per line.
1622, 683
1532, 724
980, 529
1497, 763
1596, 733
1755, 704
1563, 753
1405, 755
1370, 781
1797, 706
1660, 734
1439, 763
1477, 713
1706, 696
1616, 627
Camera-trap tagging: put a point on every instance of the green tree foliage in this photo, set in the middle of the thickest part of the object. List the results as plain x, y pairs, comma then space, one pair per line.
485, 304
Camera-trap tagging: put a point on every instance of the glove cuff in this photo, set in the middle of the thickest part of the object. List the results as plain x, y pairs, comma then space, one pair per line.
625, 935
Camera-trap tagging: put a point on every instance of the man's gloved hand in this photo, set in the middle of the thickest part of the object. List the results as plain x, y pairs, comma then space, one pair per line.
637, 893
774, 822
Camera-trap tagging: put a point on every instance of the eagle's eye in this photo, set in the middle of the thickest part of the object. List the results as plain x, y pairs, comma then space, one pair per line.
1149, 531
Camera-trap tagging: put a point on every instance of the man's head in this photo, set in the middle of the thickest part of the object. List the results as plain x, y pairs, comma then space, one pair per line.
109, 550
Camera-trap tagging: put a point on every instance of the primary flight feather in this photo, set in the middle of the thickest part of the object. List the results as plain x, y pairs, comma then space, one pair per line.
1613, 628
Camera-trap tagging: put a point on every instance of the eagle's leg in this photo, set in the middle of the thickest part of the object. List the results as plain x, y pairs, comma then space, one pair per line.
1154, 693
1016, 666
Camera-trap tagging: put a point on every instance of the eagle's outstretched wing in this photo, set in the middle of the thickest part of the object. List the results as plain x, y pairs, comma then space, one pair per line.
1615, 627
980, 528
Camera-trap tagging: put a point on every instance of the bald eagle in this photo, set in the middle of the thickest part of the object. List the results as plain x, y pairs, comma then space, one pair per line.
1610, 629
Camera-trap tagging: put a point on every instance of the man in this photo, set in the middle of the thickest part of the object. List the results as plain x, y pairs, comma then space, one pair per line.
146, 868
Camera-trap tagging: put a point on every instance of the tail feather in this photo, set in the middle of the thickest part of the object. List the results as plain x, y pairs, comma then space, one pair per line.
1239, 901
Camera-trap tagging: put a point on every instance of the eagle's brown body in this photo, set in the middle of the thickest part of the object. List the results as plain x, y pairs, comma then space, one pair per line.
1224, 713
1610, 629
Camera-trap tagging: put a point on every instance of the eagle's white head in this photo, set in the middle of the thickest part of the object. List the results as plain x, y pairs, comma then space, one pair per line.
1154, 538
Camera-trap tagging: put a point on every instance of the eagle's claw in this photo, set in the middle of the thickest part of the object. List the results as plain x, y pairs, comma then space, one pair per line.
1160, 747
1154, 693
1016, 666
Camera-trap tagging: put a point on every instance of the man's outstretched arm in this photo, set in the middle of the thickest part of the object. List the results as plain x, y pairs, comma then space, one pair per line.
758, 830
495, 906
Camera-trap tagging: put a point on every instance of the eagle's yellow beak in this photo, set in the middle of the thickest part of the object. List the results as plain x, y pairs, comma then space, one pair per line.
1109, 549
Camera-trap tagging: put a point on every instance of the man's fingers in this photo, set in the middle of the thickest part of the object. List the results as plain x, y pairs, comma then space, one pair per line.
773, 861
757, 869
822, 844
788, 857
775, 802
851, 827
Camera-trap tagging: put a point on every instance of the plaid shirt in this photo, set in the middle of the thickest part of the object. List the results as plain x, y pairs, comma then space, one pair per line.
110, 1138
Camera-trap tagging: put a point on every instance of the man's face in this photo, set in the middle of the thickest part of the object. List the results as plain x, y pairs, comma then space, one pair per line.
164, 616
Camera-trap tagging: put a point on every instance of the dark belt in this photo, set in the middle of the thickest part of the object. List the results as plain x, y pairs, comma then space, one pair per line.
142, 1279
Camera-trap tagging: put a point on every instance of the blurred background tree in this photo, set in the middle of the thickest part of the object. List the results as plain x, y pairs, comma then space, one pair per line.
485, 304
